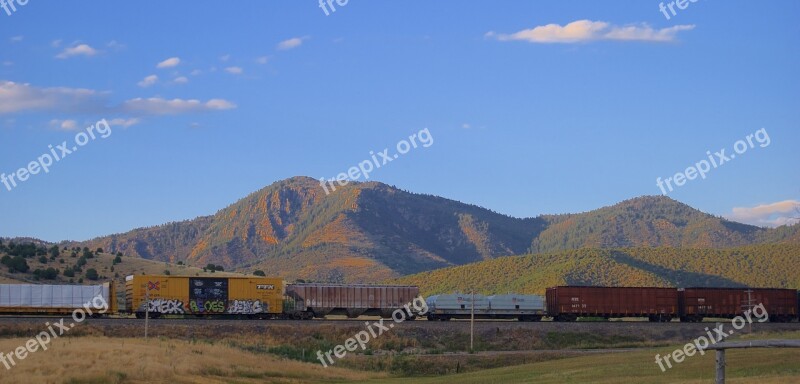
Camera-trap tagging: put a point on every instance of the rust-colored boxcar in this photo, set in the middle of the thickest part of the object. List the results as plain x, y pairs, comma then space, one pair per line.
352, 300
567, 303
256, 297
697, 303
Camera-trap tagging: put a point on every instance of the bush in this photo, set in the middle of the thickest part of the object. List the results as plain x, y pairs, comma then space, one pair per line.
117, 260
43, 259
259, 273
47, 274
15, 264
91, 274
166, 272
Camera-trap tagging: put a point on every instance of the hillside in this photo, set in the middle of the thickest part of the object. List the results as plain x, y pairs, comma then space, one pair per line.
361, 232
755, 266
40, 256
651, 221
371, 231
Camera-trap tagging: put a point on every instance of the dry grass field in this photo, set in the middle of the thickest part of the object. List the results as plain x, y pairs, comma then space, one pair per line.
124, 360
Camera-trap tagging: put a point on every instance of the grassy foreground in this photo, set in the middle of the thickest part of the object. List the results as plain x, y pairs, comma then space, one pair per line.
97, 359
778, 366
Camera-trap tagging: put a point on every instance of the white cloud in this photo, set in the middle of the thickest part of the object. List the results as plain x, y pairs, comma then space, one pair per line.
769, 215
17, 39
587, 30
56, 43
64, 125
225, 57
169, 63
234, 70
262, 59
466, 126
113, 44
159, 106
8, 63
125, 123
17, 97
291, 43
148, 81
77, 50
180, 80
196, 72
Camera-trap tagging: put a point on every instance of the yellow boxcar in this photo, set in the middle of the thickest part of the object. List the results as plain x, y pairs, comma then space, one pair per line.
260, 297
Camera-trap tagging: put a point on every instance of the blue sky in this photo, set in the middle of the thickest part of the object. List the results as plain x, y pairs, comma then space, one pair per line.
534, 107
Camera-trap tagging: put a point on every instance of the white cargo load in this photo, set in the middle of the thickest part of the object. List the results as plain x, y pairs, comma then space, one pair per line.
457, 301
512, 302
53, 296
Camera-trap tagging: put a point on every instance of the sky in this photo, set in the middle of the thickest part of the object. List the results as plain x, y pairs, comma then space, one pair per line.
161, 112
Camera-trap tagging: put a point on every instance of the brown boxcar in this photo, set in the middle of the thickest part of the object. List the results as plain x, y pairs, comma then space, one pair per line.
697, 303
567, 303
305, 301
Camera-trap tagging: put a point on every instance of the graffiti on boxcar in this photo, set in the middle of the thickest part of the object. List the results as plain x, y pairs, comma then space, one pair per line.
246, 307
165, 306
207, 306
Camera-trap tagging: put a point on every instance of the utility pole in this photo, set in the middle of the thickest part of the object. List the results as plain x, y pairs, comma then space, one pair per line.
472, 323
146, 309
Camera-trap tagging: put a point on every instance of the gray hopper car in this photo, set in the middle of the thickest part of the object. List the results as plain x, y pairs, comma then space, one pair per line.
510, 306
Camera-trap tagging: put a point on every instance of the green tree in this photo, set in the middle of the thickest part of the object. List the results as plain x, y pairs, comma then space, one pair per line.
91, 274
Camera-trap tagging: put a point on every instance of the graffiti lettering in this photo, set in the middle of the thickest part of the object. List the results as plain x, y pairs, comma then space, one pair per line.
165, 306
246, 307
209, 306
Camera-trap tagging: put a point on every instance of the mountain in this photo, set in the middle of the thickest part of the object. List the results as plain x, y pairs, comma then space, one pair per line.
651, 221
366, 232
764, 265
360, 232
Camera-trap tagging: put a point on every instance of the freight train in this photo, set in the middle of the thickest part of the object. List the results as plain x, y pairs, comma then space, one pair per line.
567, 303
263, 298
272, 298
